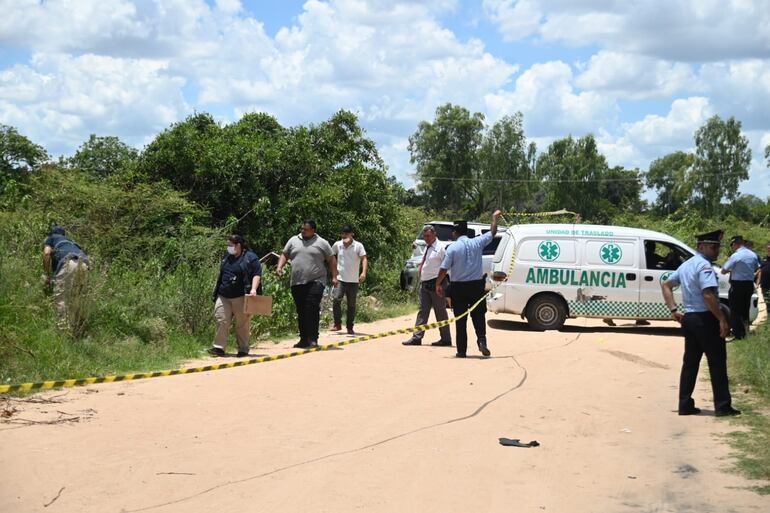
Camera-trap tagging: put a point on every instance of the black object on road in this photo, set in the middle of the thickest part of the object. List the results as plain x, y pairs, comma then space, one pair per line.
514, 442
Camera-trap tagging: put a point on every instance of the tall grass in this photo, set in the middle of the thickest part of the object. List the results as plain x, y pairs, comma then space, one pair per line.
749, 361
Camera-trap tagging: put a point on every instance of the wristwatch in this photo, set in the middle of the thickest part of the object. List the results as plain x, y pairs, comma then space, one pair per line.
674, 309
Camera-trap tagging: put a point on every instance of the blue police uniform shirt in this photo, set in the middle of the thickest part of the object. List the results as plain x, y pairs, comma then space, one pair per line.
742, 264
463, 258
694, 276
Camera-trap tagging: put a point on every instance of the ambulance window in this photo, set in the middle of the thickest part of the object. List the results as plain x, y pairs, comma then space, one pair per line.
664, 256
501, 248
491, 248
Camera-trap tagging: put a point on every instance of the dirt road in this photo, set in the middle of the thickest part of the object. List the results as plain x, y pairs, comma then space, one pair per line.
381, 427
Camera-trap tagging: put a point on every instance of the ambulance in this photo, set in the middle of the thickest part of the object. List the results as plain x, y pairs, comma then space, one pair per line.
550, 272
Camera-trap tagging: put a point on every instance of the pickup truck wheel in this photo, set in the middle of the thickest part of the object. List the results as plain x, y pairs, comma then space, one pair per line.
546, 312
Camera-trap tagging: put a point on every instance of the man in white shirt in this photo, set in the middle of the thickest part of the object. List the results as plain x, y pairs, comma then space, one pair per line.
429, 298
351, 256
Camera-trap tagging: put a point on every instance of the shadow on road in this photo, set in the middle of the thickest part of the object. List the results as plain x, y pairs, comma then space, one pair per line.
662, 331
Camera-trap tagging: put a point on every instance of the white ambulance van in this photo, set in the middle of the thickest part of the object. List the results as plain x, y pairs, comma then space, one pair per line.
550, 272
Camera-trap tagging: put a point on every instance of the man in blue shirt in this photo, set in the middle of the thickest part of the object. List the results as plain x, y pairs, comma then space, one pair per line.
66, 266
464, 265
704, 324
742, 266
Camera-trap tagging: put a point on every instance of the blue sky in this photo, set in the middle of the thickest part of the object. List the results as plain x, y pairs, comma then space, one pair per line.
640, 76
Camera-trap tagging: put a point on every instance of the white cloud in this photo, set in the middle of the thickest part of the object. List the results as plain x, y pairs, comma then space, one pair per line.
654, 136
60, 99
636, 76
545, 95
515, 19
393, 62
686, 30
740, 89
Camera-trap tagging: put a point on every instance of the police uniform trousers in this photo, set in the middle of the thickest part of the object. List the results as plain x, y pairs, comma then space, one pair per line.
740, 303
464, 294
701, 335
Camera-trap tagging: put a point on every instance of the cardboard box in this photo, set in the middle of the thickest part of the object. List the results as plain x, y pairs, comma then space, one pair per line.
258, 305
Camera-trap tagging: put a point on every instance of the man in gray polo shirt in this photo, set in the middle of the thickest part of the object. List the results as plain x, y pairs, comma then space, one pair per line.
307, 253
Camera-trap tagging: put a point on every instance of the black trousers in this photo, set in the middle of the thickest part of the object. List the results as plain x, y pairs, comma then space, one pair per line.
701, 335
740, 303
307, 299
465, 294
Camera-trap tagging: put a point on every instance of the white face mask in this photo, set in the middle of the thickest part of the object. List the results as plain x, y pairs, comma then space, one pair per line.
231, 250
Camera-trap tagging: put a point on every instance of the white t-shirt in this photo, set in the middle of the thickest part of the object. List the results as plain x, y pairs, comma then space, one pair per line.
348, 260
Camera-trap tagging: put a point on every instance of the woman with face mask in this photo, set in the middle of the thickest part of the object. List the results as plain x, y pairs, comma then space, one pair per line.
240, 274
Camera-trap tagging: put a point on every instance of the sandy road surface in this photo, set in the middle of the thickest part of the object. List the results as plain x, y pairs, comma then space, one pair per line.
381, 427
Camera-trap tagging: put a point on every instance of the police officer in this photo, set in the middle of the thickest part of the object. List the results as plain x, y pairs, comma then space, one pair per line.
463, 263
742, 265
704, 324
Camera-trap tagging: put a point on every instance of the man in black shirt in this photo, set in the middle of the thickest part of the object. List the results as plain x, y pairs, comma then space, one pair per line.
66, 266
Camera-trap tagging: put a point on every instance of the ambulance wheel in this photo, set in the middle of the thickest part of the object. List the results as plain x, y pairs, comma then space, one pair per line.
546, 312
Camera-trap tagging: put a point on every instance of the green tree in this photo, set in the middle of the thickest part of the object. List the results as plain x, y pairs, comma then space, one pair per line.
621, 189
671, 177
17, 153
103, 156
18, 157
723, 162
269, 178
750, 208
504, 167
445, 152
571, 171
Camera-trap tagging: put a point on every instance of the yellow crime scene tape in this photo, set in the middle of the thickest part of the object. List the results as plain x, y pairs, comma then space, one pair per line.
67, 383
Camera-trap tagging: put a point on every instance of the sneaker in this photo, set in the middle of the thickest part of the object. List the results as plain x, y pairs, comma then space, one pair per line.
350, 330
335, 327
484, 350
312, 344
412, 342
728, 412
242, 354
642, 322
216, 351
442, 343
301, 345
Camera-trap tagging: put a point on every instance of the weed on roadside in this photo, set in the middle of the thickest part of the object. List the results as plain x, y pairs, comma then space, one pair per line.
749, 362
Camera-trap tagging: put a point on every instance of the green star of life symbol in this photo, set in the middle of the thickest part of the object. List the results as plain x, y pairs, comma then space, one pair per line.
548, 250
610, 253
665, 276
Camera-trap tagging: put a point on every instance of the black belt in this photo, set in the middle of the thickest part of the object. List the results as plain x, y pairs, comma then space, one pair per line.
428, 283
